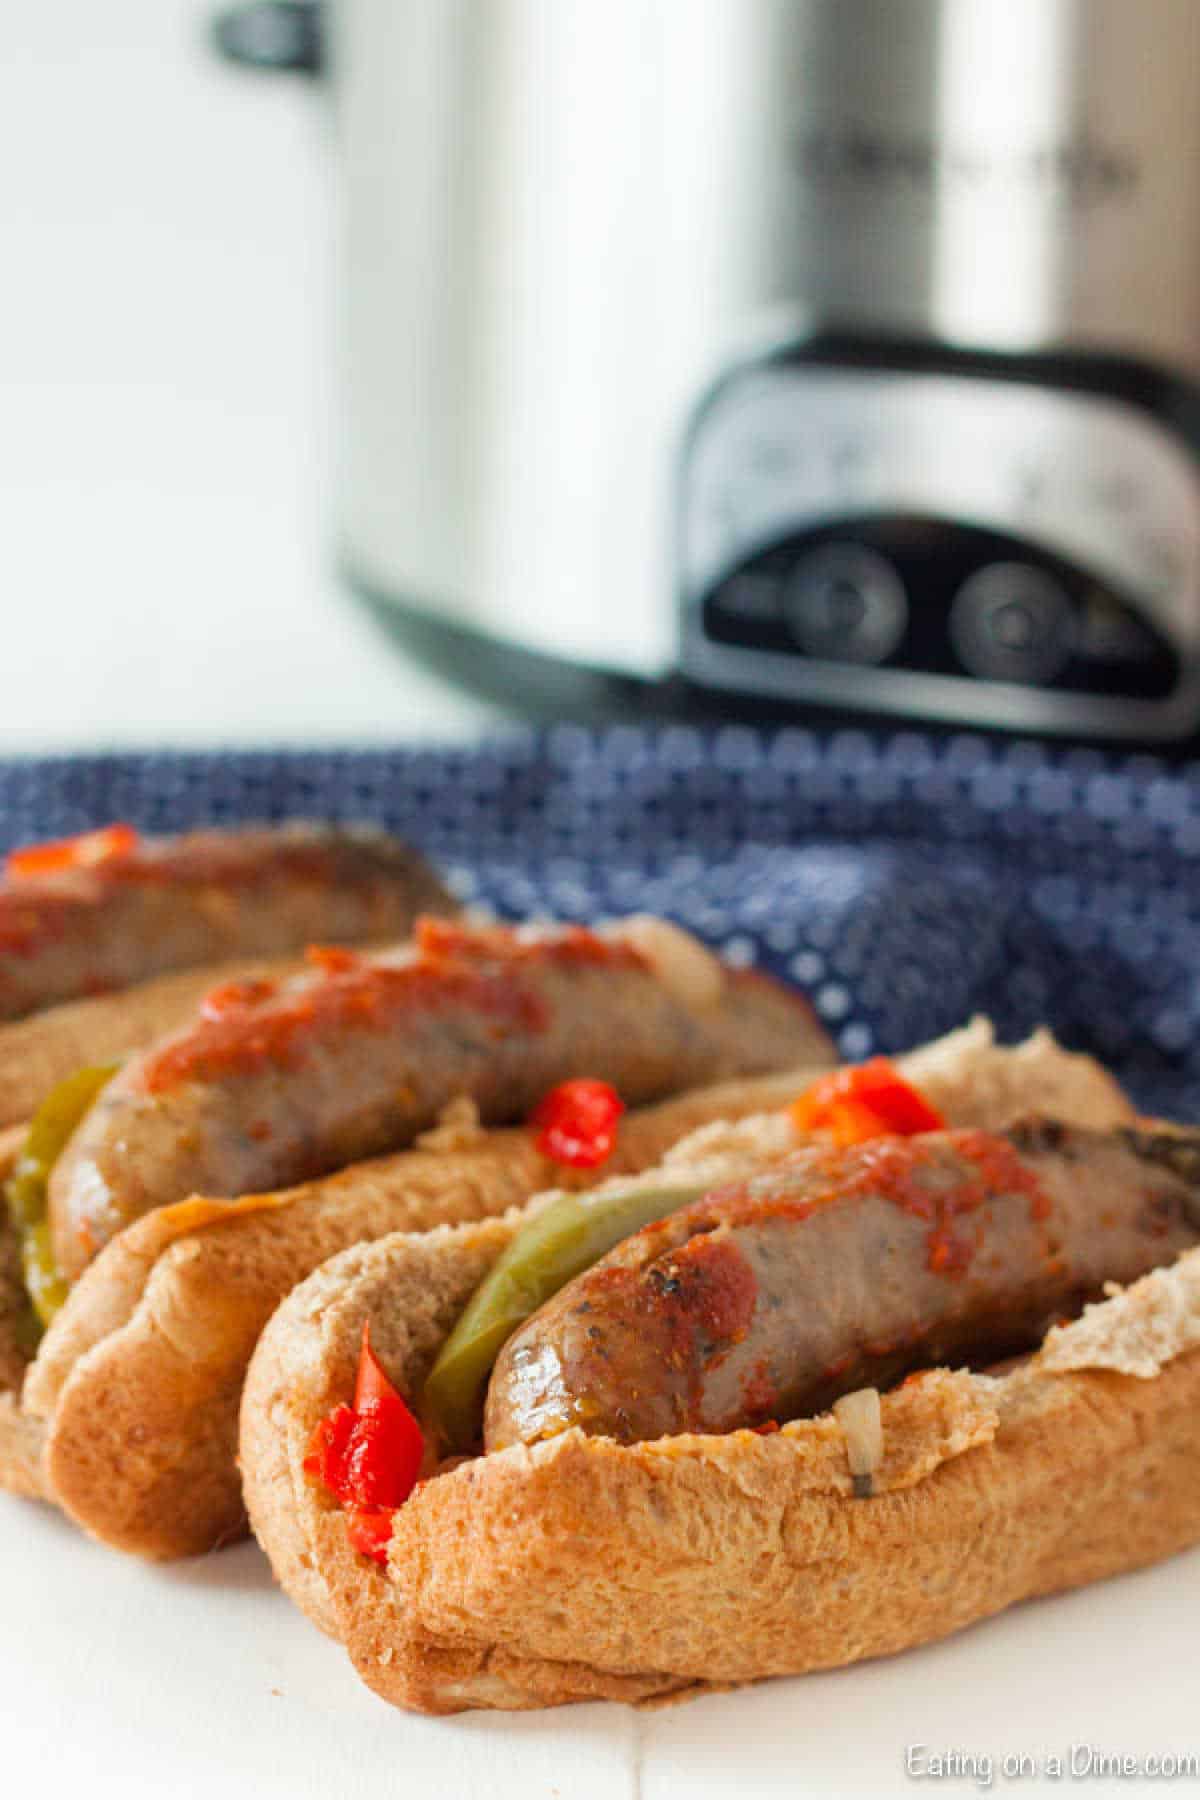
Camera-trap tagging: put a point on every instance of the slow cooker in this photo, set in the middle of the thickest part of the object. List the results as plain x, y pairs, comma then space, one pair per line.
833, 352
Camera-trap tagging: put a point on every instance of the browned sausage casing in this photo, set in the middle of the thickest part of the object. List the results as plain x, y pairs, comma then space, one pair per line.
207, 897
302, 1080
835, 1270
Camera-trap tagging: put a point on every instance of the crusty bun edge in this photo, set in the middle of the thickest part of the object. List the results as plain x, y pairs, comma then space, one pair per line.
700, 1561
585, 1569
138, 1379
975, 1081
137, 1383
22, 1441
304, 1363
412, 1286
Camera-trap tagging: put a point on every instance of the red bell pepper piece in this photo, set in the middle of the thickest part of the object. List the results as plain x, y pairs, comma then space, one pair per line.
869, 1100
325, 1460
86, 851
368, 1455
577, 1123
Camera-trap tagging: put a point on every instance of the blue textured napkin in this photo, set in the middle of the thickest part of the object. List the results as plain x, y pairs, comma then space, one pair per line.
904, 882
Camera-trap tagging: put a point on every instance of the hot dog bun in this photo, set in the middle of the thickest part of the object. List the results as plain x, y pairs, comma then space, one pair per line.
140, 1450
974, 1081
136, 1384
413, 1288
583, 1569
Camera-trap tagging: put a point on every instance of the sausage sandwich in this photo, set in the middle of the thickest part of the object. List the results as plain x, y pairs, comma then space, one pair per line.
816, 1388
167, 1207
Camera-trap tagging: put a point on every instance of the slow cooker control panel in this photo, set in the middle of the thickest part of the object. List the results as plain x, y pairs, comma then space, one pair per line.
963, 547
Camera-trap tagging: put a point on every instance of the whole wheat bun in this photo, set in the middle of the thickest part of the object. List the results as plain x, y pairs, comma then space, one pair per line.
583, 1569
35, 1055
129, 1412
134, 1391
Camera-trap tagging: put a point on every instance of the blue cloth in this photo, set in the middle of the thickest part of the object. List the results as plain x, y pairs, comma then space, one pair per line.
902, 881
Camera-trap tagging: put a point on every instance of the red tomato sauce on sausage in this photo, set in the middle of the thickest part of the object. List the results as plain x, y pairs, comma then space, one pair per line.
570, 946
710, 1284
245, 1027
704, 1293
760, 1394
279, 1031
899, 1170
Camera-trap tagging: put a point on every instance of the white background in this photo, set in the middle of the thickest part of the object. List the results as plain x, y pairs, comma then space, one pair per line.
164, 459
164, 577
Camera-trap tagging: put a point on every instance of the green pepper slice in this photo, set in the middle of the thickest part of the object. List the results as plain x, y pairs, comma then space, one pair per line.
560, 1243
50, 1130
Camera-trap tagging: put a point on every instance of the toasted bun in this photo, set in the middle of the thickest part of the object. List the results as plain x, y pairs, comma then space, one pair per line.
137, 1383
976, 1082
21, 1443
139, 1378
583, 1569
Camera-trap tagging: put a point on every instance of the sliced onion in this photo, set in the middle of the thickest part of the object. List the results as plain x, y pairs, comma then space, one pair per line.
458, 1127
860, 1418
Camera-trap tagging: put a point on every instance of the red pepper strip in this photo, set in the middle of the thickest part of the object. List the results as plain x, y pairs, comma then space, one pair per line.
368, 1455
87, 851
867, 1101
578, 1123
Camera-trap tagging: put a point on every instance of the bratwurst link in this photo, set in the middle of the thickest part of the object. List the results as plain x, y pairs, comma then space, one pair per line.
103, 911
275, 1085
840, 1269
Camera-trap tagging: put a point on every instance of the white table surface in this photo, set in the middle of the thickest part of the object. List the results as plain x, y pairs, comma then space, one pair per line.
164, 578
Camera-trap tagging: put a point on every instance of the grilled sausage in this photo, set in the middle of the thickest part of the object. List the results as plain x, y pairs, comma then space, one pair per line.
147, 906
836, 1270
278, 1085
